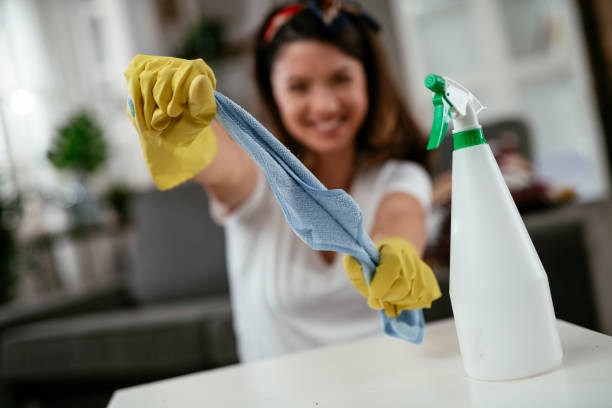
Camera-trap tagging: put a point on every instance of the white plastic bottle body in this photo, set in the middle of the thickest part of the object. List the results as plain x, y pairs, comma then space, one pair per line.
498, 287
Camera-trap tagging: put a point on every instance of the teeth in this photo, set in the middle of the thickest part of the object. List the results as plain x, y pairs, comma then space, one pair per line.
324, 126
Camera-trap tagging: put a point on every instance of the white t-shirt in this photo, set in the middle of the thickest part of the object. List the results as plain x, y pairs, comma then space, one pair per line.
285, 297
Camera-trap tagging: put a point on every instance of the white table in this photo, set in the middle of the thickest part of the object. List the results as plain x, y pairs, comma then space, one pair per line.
385, 372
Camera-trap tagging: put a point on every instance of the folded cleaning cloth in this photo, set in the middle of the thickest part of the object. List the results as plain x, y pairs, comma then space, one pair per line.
328, 220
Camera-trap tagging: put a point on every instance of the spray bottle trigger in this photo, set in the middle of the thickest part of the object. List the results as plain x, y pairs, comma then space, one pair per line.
442, 117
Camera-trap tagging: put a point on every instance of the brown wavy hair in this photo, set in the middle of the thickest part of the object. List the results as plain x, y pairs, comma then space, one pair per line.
389, 130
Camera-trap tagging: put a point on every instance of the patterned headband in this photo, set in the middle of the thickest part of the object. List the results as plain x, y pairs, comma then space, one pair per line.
330, 12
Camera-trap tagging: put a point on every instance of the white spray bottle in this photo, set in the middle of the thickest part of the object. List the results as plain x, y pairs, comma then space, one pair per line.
498, 287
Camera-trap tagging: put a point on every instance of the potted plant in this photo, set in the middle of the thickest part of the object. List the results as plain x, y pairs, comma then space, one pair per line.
79, 146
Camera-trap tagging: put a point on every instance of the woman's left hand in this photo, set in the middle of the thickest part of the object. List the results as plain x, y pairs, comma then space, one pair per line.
402, 280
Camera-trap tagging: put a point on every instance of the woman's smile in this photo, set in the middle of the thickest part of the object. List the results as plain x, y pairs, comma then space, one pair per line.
328, 128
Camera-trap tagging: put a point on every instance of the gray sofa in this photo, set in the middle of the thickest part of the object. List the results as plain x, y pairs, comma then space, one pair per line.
170, 315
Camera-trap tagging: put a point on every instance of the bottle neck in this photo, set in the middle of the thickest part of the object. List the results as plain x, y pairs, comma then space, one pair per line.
467, 138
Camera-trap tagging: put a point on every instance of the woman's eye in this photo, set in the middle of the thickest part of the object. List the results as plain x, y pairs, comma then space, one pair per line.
298, 87
341, 79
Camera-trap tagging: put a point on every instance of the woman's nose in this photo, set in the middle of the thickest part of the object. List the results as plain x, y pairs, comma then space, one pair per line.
324, 102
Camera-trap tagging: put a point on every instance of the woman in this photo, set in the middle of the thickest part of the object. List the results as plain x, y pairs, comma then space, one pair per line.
320, 72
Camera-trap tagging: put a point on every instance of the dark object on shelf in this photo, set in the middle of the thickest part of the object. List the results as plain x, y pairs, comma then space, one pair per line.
511, 128
118, 197
204, 40
8, 247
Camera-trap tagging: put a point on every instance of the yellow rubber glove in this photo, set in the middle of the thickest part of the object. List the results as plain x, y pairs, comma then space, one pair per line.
402, 280
171, 105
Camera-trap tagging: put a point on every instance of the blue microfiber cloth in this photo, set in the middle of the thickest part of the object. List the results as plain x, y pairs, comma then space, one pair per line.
327, 220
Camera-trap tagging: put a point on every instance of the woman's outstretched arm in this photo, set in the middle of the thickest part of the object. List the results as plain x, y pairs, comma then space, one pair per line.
400, 215
231, 176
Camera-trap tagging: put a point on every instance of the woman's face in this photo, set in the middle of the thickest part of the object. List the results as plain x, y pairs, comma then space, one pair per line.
321, 93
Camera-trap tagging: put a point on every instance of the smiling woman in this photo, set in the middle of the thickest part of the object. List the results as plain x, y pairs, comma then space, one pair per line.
323, 78
321, 74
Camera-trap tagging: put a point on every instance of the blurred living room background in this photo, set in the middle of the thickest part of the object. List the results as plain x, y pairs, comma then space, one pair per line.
106, 282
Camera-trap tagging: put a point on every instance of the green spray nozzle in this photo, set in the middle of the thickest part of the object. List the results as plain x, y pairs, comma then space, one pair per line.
436, 83
452, 101
442, 114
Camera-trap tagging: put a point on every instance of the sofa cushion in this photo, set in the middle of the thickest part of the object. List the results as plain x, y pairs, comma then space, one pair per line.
178, 251
158, 340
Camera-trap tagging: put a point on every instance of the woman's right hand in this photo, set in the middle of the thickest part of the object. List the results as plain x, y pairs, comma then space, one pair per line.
171, 104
